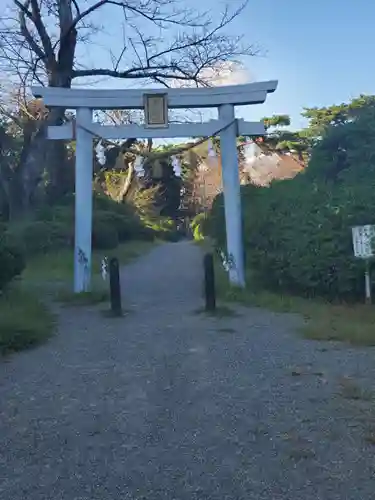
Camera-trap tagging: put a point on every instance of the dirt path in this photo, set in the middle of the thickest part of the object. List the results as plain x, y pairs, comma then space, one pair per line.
169, 404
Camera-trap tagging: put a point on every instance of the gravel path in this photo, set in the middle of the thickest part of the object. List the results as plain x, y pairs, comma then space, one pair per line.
169, 404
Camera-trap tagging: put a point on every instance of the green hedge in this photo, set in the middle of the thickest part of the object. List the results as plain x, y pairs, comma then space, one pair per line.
198, 225
11, 262
298, 236
113, 223
53, 227
298, 232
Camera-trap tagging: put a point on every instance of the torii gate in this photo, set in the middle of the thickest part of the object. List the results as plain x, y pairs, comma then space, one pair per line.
156, 103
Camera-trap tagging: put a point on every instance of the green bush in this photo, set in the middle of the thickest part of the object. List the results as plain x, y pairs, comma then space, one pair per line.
37, 236
164, 228
198, 226
129, 224
297, 233
24, 320
58, 213
172, 236
11, 262
53, 227
105, 234
298, 237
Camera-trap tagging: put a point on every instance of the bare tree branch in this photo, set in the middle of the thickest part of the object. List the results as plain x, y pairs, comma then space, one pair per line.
184, 58
25, 31
180, 55
42, 31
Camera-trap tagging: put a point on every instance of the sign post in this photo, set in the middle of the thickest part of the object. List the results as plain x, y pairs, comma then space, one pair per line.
363, 249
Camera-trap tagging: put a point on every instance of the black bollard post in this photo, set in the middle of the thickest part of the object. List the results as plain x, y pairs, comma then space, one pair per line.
209, 282
115, 288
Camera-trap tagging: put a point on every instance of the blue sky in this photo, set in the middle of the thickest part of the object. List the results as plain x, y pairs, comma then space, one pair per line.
322, 52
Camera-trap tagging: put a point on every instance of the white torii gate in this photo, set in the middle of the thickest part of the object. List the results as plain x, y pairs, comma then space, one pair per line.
156, 103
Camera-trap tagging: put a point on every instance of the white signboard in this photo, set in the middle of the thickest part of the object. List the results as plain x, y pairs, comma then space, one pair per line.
363, 237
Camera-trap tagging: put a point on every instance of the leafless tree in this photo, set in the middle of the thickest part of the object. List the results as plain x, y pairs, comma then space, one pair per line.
56, 43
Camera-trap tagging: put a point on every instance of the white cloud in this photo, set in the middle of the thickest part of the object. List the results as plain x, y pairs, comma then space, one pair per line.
223, 73
226, 73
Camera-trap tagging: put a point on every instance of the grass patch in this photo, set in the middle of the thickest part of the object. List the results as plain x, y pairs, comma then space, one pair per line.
24, 320
53, 273
92, 297
351, 323
58, 267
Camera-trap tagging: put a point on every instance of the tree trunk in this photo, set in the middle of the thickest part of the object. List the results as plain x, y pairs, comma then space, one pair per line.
127, 183
42, 174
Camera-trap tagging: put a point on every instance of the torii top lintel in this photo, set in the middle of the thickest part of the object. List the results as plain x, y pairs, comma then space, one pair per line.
207, 97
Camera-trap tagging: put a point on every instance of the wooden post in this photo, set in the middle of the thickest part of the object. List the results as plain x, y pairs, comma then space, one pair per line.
83, 203
209, 282
115, 287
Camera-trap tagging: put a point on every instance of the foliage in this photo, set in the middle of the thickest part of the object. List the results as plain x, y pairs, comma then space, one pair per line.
24, 320
49, 271
11, 262
163, 228
52, 228
276, 121
281, 140
298, 232
160, 176
320, 119
40, 236
143, 201
198, 226
105, 234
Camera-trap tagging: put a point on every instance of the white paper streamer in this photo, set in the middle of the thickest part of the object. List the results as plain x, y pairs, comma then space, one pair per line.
138, 166
100, 153
251, 154
104, 268
224, 261
176, 166
211, 149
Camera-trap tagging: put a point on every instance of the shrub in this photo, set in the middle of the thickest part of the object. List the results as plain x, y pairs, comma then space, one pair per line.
164, 228
37, 236
298, 232
172, 236
24, 320
11, 262
53, 227
104, 237
297, 235
128, 223
198, 226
